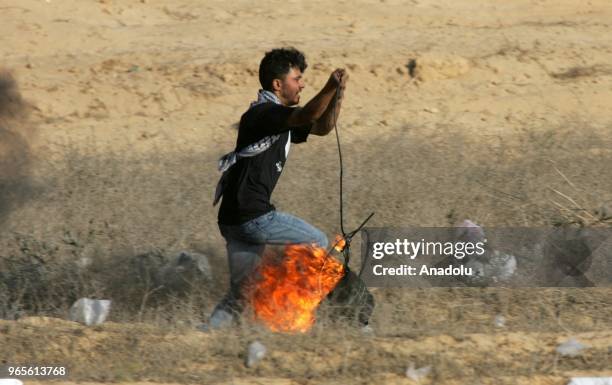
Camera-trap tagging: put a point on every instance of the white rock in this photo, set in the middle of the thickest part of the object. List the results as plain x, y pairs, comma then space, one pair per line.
500, 321
570, 348
591, 381
10, 381
417, 374
177, 273
200, 260
84, 262
255, 353
501, 267
90, 311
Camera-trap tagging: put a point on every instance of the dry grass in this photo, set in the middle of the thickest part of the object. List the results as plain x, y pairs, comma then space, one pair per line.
576, 211
455, 336
128, 214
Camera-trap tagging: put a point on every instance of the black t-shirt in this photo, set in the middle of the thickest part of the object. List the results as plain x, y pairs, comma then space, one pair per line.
251, 180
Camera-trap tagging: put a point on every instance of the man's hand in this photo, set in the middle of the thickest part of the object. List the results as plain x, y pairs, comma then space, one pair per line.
321, 104
327, 121
338, 78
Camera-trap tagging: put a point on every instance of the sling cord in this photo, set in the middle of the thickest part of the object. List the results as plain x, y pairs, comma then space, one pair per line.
346, 236
336, 98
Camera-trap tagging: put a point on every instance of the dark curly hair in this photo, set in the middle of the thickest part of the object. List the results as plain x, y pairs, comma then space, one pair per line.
277, 63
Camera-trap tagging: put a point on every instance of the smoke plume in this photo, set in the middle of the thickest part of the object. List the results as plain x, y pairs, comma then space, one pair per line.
15, 156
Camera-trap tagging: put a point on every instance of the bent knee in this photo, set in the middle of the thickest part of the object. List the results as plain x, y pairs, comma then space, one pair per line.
322, 240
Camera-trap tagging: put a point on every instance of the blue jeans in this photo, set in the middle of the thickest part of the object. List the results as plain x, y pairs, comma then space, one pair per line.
246, 242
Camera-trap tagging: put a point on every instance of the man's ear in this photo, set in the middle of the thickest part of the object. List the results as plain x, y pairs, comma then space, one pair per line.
277, 84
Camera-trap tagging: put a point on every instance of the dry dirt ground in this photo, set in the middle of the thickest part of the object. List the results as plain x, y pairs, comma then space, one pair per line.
497, 111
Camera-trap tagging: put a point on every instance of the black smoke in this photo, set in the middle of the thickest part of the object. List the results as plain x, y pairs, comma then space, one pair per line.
15, 154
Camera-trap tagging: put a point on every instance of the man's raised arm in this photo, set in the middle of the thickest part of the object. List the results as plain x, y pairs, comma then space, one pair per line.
318, 105
327, 121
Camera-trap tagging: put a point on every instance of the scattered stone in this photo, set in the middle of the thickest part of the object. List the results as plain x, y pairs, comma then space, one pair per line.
417, 374
198, 261
570, 348
256, 352
604, 212
90, 311
591, 381
499, 321
569, 254
10, 381
490, 268
84, 262
178, 274
501, 267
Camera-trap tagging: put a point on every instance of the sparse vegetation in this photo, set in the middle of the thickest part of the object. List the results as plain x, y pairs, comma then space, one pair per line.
494, 112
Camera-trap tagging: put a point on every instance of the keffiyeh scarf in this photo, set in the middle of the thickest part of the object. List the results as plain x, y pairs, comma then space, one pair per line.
229, 159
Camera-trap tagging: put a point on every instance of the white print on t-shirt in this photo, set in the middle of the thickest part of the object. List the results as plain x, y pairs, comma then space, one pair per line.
279, 166
288, 145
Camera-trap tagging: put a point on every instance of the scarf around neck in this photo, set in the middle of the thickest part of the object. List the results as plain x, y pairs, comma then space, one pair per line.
229, 159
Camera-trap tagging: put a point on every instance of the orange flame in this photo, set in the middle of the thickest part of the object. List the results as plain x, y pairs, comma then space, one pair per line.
287, 289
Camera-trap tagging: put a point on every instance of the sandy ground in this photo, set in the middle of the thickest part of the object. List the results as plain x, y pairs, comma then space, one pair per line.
133, 102
194, 357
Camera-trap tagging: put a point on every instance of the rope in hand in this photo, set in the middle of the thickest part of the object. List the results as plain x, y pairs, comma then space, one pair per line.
336, 98
347, 237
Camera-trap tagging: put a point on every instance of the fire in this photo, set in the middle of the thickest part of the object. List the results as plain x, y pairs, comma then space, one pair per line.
288, 288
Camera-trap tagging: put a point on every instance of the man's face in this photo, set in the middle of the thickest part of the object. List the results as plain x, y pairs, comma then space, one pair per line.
290, 87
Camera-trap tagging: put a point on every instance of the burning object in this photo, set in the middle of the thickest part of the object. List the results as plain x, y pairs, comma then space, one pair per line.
289, 286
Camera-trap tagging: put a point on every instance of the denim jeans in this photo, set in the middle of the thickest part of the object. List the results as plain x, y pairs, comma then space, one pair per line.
246, 242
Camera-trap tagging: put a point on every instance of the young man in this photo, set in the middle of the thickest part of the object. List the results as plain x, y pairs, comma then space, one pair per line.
247, 219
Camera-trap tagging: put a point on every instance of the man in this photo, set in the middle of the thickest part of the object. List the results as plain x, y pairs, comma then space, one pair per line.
247, 219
